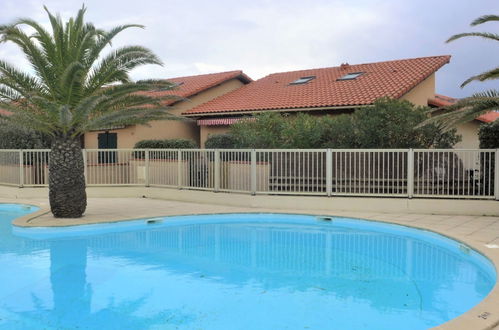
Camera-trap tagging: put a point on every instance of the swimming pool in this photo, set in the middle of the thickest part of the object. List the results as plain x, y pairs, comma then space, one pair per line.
235, 271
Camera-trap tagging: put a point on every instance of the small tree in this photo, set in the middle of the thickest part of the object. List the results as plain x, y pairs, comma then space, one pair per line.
72, 89
391, 123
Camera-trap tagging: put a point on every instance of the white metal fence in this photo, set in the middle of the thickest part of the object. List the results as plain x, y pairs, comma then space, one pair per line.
435, 173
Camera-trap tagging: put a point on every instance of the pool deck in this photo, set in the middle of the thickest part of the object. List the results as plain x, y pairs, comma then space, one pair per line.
479, 232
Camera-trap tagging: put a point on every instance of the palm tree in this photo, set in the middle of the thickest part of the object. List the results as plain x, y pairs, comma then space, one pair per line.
469, 108
74, 88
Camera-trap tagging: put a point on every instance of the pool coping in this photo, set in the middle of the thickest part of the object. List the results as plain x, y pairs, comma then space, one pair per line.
484, 315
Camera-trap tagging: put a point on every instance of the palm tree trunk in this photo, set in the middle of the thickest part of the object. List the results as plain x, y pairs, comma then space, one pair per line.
67, 195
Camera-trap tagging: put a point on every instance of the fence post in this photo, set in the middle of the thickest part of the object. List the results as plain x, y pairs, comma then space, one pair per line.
217, 170
179, 168
410, 173
21, 168
253, 172
84, 155
329, 172
146, 174
496, 175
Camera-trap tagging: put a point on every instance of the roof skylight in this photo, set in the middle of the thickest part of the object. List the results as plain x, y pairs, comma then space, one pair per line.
351, 76
302, 80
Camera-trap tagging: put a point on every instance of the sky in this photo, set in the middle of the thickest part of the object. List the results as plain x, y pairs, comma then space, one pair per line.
262, 37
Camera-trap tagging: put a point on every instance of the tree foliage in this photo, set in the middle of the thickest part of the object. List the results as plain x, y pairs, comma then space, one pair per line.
12, 137
387, 124
220, 141
489, 135
74, 87
479, 103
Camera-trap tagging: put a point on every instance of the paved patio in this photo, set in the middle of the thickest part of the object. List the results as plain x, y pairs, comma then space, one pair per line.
480, 232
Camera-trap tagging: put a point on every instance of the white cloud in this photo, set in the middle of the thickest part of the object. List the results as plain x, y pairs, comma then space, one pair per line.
264, 36
209, 68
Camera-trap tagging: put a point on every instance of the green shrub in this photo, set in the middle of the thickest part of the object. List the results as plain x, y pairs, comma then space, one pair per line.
489, 139
166, 144
489, 135
387, 124
221, 141
162, 144
21, 138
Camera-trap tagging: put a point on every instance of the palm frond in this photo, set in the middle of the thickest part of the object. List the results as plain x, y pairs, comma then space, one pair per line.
105, 39
485, 35
73, 86
116, 66
489, 75
42, 67
42, 35
83, 110
71, 81
484, 19
466, 109
23, 115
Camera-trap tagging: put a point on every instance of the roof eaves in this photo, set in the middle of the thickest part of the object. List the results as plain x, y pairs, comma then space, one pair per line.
239, 74
240, 112
417, 82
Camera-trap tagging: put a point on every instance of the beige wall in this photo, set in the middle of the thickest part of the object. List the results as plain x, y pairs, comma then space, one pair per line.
420, 94
205, 131
167, 129
469, 133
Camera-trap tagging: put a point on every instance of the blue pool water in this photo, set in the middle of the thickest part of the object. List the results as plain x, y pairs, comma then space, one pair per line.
238, 271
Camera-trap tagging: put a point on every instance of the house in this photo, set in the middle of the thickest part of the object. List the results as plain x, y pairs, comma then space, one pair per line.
469, 130
327, 91
191, 91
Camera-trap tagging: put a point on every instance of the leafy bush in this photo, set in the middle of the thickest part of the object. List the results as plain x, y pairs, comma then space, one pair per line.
21, 138
489, 139
264, 132
162, 144
221, 141
166, 144
388, 123
489, 135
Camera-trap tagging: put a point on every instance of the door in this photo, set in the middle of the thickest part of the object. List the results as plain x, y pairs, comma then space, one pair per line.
107, 141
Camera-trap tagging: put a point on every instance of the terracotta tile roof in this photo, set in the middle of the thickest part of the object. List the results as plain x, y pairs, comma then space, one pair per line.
443, 101
390, 78
489, 117
191, 85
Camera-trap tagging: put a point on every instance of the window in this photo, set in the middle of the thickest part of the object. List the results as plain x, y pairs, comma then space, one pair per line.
302, 80
351, 76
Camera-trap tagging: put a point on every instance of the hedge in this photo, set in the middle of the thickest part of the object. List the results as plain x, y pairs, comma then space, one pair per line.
166, 144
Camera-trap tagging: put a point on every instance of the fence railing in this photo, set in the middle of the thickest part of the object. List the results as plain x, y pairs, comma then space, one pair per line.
437, 173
